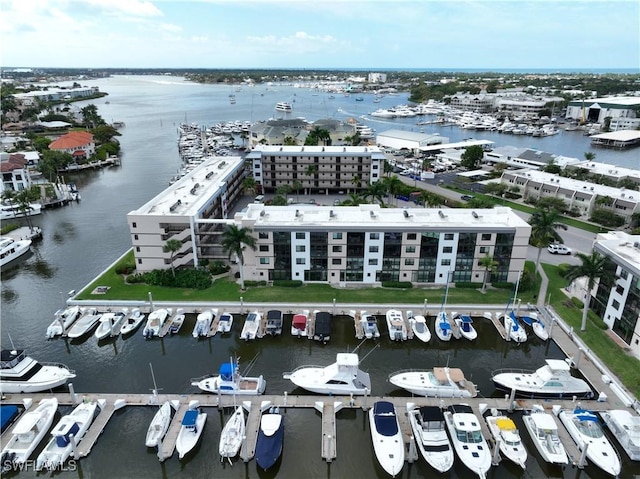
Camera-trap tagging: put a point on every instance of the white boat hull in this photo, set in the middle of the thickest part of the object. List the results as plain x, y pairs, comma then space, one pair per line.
159, 425
389, 450
434, 445
511, 446
188, 438
422, 383
232, 435
543, 431
476, 456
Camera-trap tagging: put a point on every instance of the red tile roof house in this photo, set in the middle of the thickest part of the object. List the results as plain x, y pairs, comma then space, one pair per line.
80, 144
15, 172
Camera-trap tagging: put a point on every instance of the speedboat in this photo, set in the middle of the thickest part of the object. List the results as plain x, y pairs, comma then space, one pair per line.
585, 430
159, 425
59, 448
322, 329
536, 324
225, 323
553, 380
20, 373
443, 327
284, 107
251, 326
443, 382
230, 381
11, 249
155, 322
369, 325
341, 377
513, 328
506, 435
110, 324
270, 438
395, 324
419, 327
203, 323
626, 428
465, 325
427, 424
299, 324
84, 324
386, 436
177, 320
543, 430
467, 439
274, 322
133, 322
190, 431
64, 319
232, 435
27, 434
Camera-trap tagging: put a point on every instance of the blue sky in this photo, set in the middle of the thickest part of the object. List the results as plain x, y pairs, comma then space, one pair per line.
373, 34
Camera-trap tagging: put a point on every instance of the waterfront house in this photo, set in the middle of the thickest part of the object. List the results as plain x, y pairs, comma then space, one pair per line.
79, 144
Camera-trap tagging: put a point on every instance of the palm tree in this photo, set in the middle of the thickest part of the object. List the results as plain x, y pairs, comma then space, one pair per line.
544, 224
172, 246
233, 242
296, 186
393, 185
24, 199
377, 191
311, 171
594, 267
423, 197
589, 156
356, 181
489, 265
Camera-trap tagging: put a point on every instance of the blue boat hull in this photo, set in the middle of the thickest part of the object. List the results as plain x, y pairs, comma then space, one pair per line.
269, 448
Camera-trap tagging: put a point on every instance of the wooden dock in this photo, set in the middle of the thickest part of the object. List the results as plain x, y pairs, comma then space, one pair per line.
495, 319
311, 325
357, 324
411, 453
407, 324
329, 443
252, 427
213, 330
165, 450
96, 428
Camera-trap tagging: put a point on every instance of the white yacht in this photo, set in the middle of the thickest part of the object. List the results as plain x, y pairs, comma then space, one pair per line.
64, 319
155, 322
386, 436
20, 373
513, 328
284, 107
584, 428
465, 325
232, 435
383, 113
11, 249
543, 430
85, 323
395, 324
443, 327
159, 425
230, 381
225, 323
419, 326
506, 435
626, 428
443, 382
467, 439
251, 326
553, 380
369, 325
190, 431
427, 424
11, 211
342, 377
300, 324
203, 323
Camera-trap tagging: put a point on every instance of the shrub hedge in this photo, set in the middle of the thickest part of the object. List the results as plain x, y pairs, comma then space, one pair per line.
184, 278
288, 283
397, 284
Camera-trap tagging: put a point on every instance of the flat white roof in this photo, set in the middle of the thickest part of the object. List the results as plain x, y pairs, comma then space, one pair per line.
608, 170
620, 135
330, 150
460, 144
614, 100
620, 246
408, 135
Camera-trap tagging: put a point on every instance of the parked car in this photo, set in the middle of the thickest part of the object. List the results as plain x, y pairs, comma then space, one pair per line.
466, 197
558, 248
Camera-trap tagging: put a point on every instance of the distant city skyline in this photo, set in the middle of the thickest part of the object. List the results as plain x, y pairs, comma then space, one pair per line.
485, 35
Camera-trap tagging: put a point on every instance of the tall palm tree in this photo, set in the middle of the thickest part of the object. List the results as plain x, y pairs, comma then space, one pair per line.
296, 186
234, 240
356, 181
172, 246
249, 185
377, 191
393, 185
489, 265
594, 267
544, 224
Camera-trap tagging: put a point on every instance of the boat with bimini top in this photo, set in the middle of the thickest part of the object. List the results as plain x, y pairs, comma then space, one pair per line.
543, 430
230, 381
430, 434
626, 429
342, 377
466, 436
386, 436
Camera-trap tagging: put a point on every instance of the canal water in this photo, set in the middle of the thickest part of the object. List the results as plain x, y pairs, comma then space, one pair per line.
83, 239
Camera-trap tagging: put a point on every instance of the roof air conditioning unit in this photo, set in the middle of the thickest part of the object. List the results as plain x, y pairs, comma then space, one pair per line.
263, 212
475, 215
441, 214
332, 214
406, 213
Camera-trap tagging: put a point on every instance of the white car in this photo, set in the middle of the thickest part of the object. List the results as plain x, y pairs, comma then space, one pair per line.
558, 249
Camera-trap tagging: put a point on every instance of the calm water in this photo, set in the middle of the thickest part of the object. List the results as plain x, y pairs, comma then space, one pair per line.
81, 240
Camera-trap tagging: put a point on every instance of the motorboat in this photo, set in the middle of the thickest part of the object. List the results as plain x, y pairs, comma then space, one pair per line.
322, 329
626, 428
419, 327
284, 107
584, 428
395, 324
159, 425
203, 323
12, 211
64, 319
20, 373
369, 325
59, 448
299, 324
343, 377
466, 436
8, 414
230, 381
506, 437
84, 324
386, 436
443, 327
27, 434
430, 434
110, 324
443, 382
232, 435
270, 438
465, 325
190, 431
251, 326
155, 322
513, 328
543, 430
11, 249
553, 380
225, 322
539, 329
274, 322
133, 322
177, 320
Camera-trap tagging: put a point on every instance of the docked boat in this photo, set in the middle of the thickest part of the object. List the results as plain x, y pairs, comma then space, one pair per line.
274, 322
386, 436
369, 325
322, 330
536, 324
155, 322
513, 328
430, 434
465, 325
85, 323
251, 326
225, 323
443, 382
232, 435
177, 320
270, 438
59, 448
466, 436
27, 434
553, 380
20, 373
626, 428
159, 425
584, 428
11, 249
64, 319
11, 211
203, 323
395, 324
299, 324
190, 431
8, 414
132, 322
230, 381
284, 107
419, 327
340, 378
110, 324
443, 327
507, 437
543, 430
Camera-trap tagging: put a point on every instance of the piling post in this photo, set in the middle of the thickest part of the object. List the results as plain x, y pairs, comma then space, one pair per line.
334, 306
424, 309
495, 459
150, 301
576, 362
285, 399
241, 305
74, 397
413, 454
583, 456
512, 401
74, 446
553, 323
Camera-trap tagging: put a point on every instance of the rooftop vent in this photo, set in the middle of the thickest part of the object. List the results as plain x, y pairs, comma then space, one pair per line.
298, 213
332, 214
221, 165
174, 206
263, 212
406, 214
209, 175
441, 214
372, 214
195, 188
475, 215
